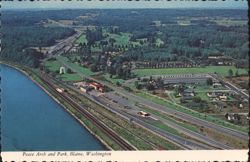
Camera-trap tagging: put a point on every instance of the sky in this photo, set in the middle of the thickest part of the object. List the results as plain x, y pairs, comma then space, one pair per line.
76, 4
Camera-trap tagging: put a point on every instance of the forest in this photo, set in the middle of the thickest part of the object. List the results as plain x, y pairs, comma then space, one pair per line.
154, 34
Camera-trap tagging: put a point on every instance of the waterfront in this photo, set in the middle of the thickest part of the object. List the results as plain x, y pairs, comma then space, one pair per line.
33, 121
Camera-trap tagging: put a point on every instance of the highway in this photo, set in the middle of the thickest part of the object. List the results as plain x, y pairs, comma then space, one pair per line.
184, 143
198, 136
168, 110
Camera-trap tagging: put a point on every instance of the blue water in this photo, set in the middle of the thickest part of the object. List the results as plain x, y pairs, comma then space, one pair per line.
33, 121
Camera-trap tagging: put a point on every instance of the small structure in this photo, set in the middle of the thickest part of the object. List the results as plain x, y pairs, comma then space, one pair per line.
233, 117
223, 97
97, 86
215, 85
62, 70
84, 89
211, 95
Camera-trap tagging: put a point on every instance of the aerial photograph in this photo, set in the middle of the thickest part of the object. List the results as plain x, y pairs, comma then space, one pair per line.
157, 76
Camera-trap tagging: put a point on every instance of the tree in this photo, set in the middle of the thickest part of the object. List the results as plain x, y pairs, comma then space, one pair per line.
209, 81
237, 73
196, 99
69, 71
230, 72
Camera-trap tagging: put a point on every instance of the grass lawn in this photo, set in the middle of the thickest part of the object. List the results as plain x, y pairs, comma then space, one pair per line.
75, 66
55, 66
165, 116
221, 70
81, 39
120, 39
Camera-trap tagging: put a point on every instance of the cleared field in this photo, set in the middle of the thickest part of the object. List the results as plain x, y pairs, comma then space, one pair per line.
82, 39
120, 39
221, 70
75, 66
228, 22
55, 65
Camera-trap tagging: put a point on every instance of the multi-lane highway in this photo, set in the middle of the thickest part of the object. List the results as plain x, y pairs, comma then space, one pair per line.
178, 114
165, 109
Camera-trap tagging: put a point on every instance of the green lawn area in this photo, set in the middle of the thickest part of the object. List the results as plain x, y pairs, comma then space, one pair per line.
121, 39
81, 39
165, 116
75, 66
164, 127
221, 70
54, 66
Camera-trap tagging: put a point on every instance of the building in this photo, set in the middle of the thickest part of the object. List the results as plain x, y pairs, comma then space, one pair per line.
97, 86
223, 97
62, 70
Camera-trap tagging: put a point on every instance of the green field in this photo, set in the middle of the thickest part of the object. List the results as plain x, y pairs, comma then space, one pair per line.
221, 70
120, 39
77, 67
54, 66
81, 39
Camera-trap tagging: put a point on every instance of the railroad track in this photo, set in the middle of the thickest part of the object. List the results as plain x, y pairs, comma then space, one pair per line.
121, 142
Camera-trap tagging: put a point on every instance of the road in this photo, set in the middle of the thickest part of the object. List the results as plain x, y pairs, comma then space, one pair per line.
185, 143
121, 101
161, 108
233, 87
168, 110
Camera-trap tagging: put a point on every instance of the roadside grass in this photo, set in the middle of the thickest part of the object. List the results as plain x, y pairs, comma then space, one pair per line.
82, 39
163, 126
165, 116
221, 70
190, 112
75, 66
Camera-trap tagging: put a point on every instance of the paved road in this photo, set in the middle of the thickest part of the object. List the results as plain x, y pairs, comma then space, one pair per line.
182, 142
171, 111
123, 102
233, 87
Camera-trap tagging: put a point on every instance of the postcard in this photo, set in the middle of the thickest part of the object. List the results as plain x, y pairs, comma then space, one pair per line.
124, 80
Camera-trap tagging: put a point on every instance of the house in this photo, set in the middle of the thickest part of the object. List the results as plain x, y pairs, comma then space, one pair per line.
211, 95
233, 117
85, 89
223, 97
215, 85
